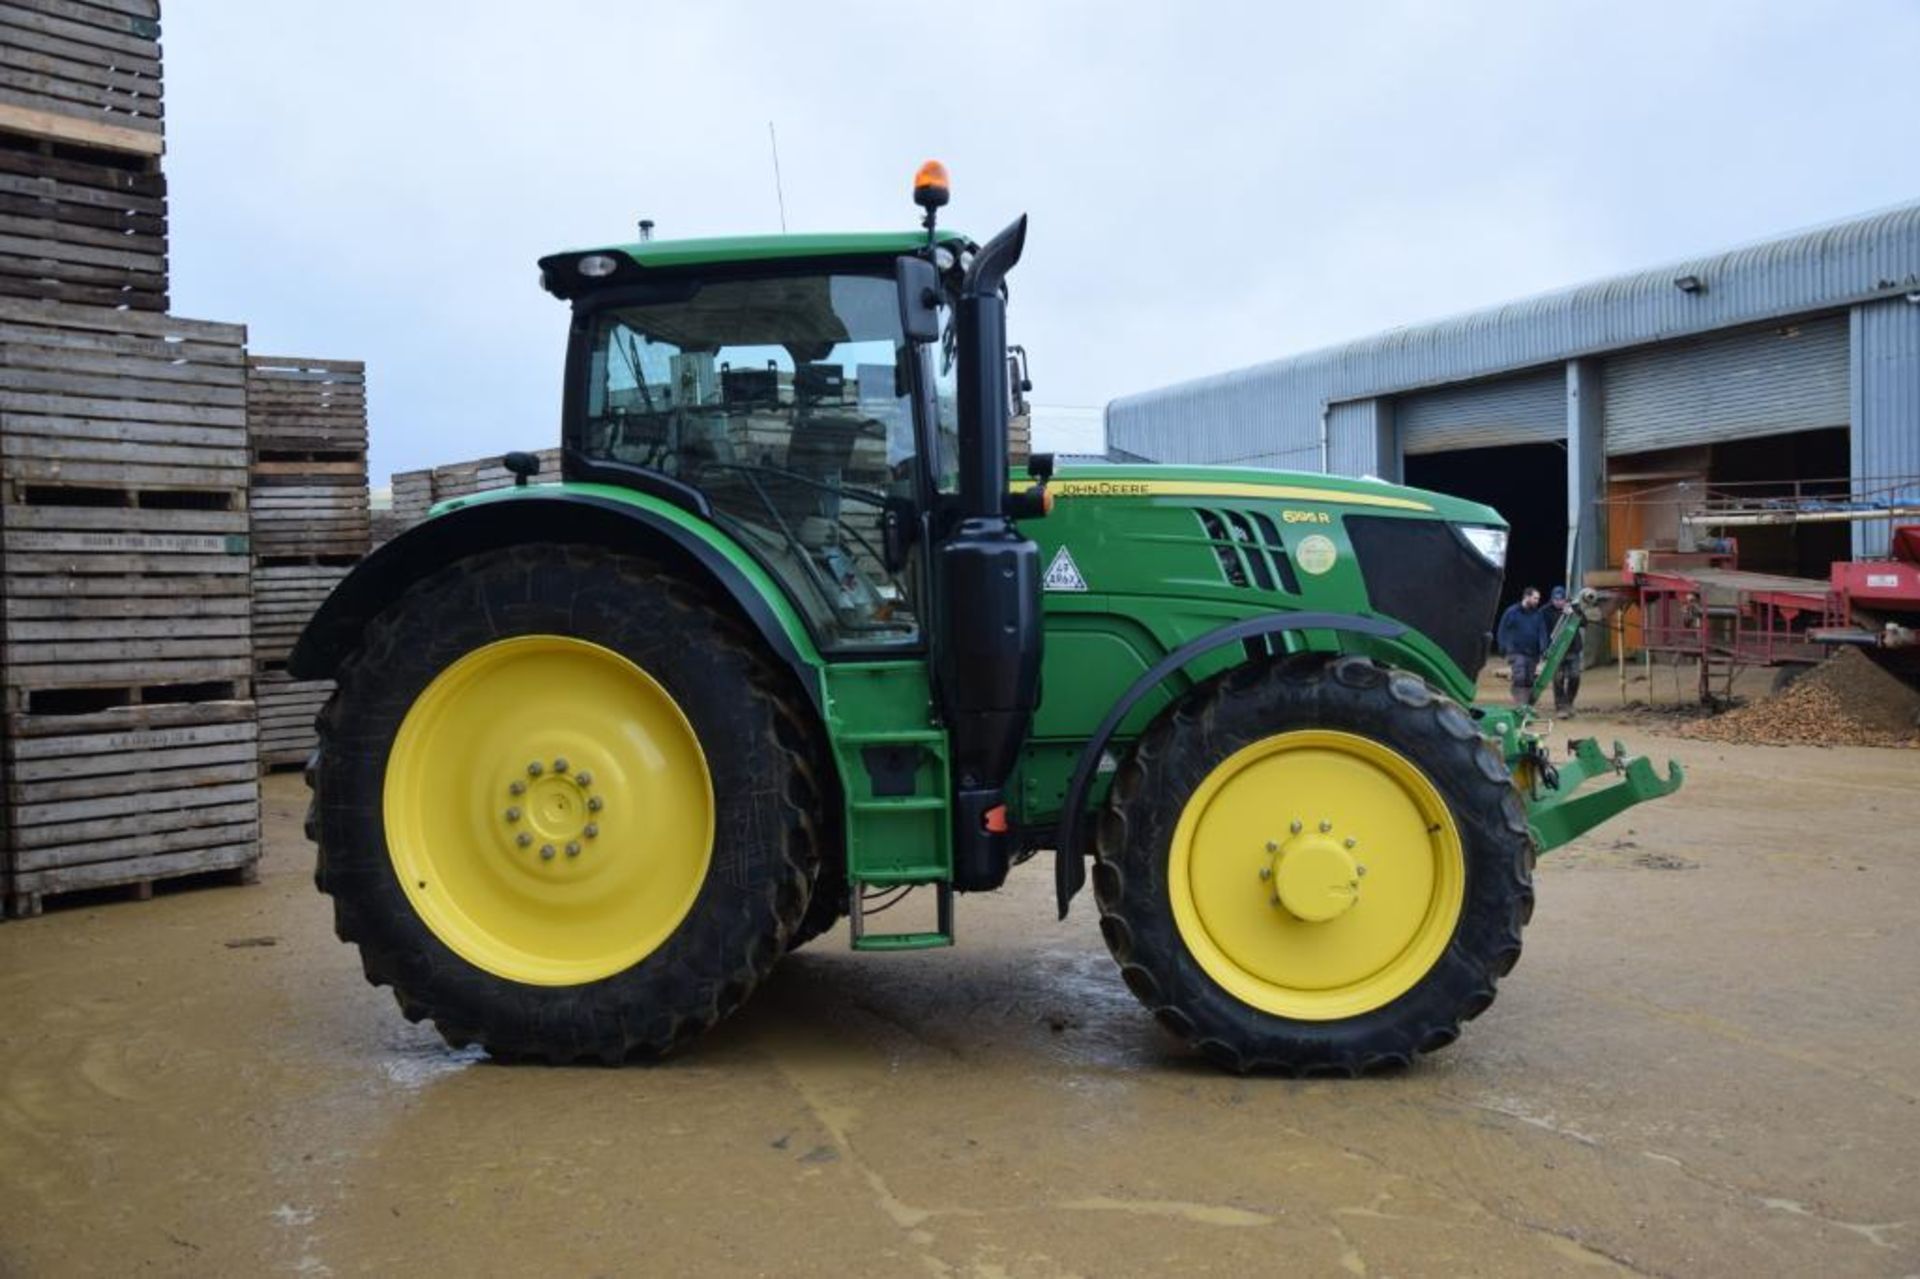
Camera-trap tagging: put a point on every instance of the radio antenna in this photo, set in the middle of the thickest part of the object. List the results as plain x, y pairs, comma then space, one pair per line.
773, 140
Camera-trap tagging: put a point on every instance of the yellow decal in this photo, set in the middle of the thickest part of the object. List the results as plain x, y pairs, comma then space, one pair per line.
1305, 517
1234, 488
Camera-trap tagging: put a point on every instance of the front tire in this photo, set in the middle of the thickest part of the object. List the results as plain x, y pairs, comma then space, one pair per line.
1314, 866
564, 806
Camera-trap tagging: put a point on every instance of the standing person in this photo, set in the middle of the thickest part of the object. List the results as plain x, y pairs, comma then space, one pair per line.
1522, 637
1566, 680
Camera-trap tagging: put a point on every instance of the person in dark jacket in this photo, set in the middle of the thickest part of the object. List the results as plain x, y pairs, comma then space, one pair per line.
1522, 636
1566, 680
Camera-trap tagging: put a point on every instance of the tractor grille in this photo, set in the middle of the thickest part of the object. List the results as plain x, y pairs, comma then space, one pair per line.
1423, 573
1249, 550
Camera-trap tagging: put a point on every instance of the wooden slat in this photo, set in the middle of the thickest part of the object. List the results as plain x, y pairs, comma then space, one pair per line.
66, 128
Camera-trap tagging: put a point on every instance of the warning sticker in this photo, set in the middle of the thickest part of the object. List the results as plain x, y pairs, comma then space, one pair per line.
1063, 574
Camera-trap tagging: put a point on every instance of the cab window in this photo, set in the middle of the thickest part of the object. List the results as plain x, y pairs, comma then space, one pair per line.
788, 402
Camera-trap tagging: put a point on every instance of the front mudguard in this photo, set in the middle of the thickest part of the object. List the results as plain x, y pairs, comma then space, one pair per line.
1559, 811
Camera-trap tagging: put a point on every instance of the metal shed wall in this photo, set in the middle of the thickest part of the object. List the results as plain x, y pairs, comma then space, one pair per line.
1530, 409
1768, 381
1886, 406
1360, 439
1273, 410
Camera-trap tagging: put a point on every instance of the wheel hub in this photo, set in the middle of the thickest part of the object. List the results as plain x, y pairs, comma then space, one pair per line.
1315, 877
554, 811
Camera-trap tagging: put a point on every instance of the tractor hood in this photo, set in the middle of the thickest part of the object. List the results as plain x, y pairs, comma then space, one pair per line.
1157, 480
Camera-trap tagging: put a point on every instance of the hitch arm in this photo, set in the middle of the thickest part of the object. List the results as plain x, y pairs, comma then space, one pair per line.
1559, 815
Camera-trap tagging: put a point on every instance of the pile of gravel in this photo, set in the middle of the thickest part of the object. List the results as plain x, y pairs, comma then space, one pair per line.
1848, 700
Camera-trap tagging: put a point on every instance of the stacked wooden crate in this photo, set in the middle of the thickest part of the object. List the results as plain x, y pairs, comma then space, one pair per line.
83, 211
412, 497
129, 727
307, 435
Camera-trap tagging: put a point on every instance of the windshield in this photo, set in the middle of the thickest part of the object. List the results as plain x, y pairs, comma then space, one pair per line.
788, 401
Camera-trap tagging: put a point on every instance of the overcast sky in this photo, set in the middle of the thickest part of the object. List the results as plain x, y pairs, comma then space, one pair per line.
1211, 185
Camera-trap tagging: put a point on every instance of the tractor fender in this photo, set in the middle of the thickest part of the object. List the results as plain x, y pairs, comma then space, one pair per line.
1069, 867
553, 514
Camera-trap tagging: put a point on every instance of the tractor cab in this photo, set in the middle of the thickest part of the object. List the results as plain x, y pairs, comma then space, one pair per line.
785, 403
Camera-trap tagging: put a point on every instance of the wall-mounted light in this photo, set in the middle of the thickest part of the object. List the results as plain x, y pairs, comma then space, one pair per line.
1690, 284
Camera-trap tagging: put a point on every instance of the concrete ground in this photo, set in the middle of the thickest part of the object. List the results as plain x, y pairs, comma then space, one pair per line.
1708, 1063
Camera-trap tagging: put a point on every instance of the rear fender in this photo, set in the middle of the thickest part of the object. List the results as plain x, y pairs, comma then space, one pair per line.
585, 514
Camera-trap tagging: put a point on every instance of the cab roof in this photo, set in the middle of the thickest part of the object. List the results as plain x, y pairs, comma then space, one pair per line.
561, 276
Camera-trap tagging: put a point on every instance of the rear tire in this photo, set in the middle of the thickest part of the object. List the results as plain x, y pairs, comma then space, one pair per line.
1385, 728
748, 890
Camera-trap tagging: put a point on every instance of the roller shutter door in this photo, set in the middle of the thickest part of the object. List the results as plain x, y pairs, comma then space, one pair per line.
1731, 386
1529, 409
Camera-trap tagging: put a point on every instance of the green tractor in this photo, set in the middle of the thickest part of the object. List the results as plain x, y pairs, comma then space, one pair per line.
788, 641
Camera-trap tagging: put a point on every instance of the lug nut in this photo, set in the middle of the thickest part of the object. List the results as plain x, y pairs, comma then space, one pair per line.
1325, 826
1266, 872
583, 777
546, 852
573, 848
513, 814
516, 788
1272, 847
592, 830
594, 805
560, 764
535, 769
1351, 841
1359, 870
523, 839
1295, 827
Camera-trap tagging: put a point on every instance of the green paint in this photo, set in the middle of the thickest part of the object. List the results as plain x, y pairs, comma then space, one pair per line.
784, 612
662, 254
1561, 814
888, 707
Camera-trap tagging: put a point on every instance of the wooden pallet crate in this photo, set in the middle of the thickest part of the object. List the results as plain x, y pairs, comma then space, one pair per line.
288, 709
129, 795
123, 401
126, 662
412, 497
307, 435
83, 71
81, 225
285, 598
123, 518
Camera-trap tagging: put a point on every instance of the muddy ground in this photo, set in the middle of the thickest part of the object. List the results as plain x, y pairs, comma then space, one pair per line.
1708, 1063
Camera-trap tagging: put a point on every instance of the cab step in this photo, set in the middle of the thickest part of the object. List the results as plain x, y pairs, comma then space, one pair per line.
943, 921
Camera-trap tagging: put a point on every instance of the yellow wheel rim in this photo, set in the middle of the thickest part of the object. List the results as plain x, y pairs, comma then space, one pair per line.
1316, 875
548, 810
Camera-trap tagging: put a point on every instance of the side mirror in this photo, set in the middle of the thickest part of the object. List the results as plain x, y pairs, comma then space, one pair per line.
919, 286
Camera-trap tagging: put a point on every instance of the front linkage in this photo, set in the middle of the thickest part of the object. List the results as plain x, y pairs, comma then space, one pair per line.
1556, 814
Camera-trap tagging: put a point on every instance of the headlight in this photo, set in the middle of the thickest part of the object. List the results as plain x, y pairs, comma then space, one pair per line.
595, 265
1490, 542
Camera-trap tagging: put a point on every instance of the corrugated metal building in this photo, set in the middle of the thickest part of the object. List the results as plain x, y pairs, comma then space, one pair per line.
1794, 359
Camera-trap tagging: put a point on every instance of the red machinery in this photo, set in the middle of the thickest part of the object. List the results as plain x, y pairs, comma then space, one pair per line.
1699, 605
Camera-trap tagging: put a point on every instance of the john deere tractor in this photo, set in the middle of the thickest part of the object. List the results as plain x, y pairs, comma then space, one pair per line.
787, 641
